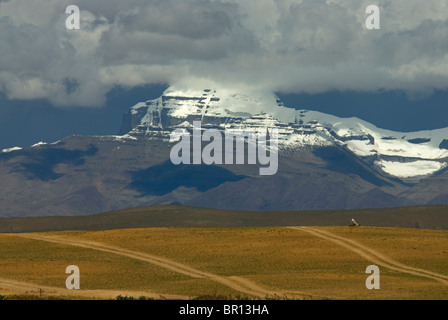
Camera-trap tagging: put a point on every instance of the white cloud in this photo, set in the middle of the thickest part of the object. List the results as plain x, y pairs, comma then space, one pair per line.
282, 45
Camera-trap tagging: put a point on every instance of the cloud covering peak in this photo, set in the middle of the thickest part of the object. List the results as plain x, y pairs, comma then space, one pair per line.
285, 45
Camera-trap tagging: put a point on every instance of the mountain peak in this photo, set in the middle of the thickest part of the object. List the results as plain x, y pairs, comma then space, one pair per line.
218, 102
407, 156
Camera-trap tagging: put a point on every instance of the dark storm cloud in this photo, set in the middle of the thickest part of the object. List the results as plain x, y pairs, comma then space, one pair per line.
167, 32
198, 20
284, 45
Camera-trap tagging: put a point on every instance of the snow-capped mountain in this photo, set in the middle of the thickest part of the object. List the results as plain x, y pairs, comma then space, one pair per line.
324, 162
405, 155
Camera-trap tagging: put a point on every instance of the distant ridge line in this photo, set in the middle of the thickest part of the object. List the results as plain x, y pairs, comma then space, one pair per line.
169, 216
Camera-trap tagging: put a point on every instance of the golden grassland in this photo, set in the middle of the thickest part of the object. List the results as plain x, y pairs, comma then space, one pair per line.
279, 259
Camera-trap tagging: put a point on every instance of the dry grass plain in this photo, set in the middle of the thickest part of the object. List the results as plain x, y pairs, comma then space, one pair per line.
186, 263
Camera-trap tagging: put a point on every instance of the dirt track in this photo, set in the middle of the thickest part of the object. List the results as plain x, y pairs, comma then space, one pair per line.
17, 287
237, 283
373, 255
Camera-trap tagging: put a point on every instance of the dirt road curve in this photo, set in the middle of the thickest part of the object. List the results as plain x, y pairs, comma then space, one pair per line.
372, 255
237, 283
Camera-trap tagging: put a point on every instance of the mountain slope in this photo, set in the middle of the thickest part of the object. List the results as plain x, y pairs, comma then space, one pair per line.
407, 156
324, 162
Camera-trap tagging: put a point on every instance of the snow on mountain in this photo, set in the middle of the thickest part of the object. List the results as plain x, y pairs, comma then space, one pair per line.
226, 109
410, 169
11, 149
399, 154
365, 139
41, 143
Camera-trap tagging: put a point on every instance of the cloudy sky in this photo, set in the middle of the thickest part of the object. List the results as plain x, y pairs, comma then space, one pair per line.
315, 53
